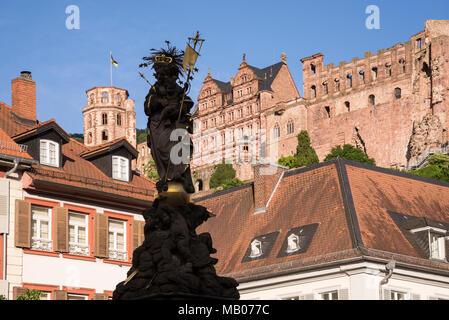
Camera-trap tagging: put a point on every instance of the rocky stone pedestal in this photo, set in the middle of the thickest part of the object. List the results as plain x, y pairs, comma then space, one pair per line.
174, 263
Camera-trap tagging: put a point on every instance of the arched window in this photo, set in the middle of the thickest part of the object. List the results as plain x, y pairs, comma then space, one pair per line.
199, 185
104, 135
89, 138
277, 131
398, 93
372, 99
348, 106
313, 68
388, 69
119, 119
104, 118
104, 97
328, 111
337, 84
290, 126
402, 63
313, 92
362, 76
325, 88
374, 73
349, 80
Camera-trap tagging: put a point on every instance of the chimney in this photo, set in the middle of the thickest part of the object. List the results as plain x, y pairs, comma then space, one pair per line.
23, 92
267, 177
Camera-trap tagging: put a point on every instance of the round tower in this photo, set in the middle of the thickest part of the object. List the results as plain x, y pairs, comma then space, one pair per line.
109, 115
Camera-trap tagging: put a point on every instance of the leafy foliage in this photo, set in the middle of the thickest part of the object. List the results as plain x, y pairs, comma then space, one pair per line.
305, 154
141, 135
151, 170
438, 168
224, 177
2, 297
349, 152
78, 137
30, 295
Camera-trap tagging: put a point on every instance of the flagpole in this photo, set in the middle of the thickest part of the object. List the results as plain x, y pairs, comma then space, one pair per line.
110, 62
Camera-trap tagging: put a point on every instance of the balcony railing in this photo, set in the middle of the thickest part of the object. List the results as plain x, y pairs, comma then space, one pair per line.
118, 254
81, 249
41, 244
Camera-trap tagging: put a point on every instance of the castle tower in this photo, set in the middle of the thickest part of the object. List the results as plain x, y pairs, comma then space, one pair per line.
109, 115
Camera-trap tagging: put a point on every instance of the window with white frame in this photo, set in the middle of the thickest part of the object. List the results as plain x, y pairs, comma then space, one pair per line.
40, 228
437, 248
45, 295
78, 231
49, 153
330, 295
117, 240
120, 168
71, 296
397, 295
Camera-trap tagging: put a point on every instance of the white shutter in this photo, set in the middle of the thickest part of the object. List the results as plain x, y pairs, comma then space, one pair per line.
115, 169
43, 152
4, 206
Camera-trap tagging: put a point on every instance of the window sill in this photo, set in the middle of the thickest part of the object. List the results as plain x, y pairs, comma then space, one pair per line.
120, 262
41, 252
78, 257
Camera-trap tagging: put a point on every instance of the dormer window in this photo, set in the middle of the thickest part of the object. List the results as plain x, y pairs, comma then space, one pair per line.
437, 246
293, 243
120, 168
49, 153
256, 249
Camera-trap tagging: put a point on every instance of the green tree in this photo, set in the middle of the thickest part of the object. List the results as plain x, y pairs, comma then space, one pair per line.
30, 295
349, 152
78, 137
224, 177
2, 297
141, 135
151, 170
438, 168
305, 154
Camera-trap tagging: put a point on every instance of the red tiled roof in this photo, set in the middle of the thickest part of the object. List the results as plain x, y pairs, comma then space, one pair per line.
10, 123
90, 151
9, 147
350, 201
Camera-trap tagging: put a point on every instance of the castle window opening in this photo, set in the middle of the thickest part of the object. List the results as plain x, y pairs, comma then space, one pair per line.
89, 121
248, 90
349, 80
337, 85
402, 63
92, 98
277, 131
199, 185
325, 88
372, 99
104, 135
240, 113
89, 137
313, 92
374, 73
104, 97
328, 111
104, 118
362, 76
418, 43
313, 68
290, 126
348, 106
119, 120
388, 69
398, 93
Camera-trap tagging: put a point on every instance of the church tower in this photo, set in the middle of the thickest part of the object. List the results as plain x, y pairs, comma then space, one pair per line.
109, 115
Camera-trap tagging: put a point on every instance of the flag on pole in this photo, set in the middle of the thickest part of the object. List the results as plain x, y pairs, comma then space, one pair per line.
115, 63
190, 56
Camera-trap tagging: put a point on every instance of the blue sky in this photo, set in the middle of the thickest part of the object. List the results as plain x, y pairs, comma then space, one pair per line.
65, 63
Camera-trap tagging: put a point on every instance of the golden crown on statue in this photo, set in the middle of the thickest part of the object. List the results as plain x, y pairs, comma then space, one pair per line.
162, 59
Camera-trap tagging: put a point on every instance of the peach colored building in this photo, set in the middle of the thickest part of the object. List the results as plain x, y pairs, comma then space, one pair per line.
391, 104
109, 115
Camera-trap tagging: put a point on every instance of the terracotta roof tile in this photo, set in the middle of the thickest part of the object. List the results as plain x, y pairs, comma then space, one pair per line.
11, 148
